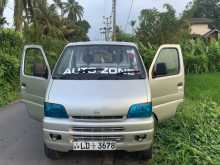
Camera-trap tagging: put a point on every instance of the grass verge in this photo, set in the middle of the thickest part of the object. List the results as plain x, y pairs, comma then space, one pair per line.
193, 136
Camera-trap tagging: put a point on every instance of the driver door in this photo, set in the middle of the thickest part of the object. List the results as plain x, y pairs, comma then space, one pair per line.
35, 75
166, 76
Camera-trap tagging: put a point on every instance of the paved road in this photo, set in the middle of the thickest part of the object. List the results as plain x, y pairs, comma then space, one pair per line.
21, 144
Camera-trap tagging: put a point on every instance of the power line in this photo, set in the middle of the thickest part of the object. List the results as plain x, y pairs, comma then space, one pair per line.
129, 15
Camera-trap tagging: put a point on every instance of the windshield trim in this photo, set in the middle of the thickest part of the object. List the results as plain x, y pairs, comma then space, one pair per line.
99, 77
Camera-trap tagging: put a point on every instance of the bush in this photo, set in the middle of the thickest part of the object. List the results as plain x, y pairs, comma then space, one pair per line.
11, 44
193, 137
214, 56
195, 56
147, 54
52, 47
199, 56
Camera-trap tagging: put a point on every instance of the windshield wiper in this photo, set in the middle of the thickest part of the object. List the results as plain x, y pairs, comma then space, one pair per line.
131, 71
90, 70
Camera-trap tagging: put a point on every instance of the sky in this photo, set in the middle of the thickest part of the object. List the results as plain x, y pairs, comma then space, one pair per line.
94, 10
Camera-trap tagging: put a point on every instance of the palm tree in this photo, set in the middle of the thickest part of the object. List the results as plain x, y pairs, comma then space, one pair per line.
24, 12
60, 5
2, 6
46, 21
74, 10
18, 14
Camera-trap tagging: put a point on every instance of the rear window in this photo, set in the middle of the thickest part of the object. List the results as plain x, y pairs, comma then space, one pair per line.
99, 62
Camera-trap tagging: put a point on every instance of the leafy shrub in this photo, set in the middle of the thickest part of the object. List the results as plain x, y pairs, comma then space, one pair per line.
214, 56
199, 56
11, 44
195, 56
9, 68
147, 53
52, 48
193, 137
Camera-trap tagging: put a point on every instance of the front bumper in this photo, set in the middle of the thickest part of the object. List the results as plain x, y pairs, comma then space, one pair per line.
125, 133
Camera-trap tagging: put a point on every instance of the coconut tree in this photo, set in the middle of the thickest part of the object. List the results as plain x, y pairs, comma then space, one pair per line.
18, 14
2, 6
74, 10
24, 12
46, 21
60, 5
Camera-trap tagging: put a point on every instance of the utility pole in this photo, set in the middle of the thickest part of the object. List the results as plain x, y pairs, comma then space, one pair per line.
106, 30
114, 19
103, 33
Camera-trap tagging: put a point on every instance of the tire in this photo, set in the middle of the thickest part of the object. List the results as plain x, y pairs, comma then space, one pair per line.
145, 155
155, 126
51, 154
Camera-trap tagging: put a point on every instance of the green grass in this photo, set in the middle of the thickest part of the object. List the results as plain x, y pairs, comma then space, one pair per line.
193, 136
202, 86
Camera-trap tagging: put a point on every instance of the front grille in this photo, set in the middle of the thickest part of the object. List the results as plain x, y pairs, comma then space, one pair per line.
98, 129
98, 138
98, 118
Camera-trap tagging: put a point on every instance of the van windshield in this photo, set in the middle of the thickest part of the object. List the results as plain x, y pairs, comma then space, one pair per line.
99, 62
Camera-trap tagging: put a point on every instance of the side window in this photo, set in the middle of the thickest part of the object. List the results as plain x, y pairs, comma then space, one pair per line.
167, 63
35, 64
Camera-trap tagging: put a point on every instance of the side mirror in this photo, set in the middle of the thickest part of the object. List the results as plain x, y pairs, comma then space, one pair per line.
160, 70
40, 70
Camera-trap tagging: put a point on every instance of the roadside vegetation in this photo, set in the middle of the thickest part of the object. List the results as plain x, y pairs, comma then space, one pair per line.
10, 49
193, 136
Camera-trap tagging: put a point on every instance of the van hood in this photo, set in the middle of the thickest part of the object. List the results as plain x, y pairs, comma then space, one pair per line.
98, 98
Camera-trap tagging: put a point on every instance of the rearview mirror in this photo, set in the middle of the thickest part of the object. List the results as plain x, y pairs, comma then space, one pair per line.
160, 70
40, 70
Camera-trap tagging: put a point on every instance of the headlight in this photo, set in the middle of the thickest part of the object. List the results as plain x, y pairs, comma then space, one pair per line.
55, 111
140, 110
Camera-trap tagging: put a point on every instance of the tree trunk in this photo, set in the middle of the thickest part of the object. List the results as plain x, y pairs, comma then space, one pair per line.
1, 12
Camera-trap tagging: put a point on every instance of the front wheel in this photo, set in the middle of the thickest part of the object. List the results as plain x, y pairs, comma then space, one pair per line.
145, 155
51, 154
155, 126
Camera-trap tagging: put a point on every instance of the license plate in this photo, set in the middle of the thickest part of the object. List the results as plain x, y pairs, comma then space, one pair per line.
94, 146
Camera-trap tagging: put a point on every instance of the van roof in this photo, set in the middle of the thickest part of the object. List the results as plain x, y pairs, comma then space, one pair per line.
102, 43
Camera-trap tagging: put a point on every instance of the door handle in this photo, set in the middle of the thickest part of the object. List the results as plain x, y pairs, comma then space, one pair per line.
180, 84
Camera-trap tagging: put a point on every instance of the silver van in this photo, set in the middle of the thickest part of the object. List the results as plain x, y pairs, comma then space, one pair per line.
100, 97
